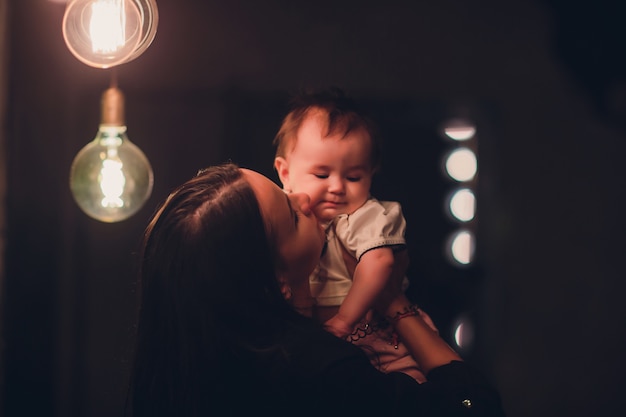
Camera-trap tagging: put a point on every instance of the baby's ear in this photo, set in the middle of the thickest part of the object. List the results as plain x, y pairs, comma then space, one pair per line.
282, 168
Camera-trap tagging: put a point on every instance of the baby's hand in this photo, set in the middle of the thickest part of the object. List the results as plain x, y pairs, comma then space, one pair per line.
338, 327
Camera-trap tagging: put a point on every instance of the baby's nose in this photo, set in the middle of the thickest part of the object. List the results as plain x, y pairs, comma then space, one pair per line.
335, 185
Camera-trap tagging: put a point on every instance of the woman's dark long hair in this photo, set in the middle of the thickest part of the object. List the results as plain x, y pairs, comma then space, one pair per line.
210, 301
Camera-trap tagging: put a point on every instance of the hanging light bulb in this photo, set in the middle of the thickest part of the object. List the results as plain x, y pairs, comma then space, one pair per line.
111, 178
105, 33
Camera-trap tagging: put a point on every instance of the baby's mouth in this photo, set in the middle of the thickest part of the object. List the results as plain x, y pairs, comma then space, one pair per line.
330, 203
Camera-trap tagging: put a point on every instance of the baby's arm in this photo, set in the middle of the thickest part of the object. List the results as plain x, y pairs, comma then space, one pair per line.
371, 274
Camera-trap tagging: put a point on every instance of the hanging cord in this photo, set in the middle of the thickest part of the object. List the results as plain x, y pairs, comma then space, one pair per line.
113, 77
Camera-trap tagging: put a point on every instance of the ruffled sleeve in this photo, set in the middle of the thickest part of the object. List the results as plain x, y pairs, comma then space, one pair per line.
375, 224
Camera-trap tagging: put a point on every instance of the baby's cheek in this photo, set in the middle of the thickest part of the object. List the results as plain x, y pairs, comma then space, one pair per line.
320, 214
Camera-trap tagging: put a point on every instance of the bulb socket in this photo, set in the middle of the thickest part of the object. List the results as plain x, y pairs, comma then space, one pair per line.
113, 107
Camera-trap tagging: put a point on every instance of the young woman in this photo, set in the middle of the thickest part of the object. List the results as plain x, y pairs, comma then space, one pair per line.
225, 264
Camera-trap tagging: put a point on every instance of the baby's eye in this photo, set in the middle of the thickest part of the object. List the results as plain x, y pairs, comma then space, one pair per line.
321, 176
353, 179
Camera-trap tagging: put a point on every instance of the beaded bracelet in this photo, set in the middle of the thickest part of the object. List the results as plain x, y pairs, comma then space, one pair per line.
369, 328
360, 332
412, 310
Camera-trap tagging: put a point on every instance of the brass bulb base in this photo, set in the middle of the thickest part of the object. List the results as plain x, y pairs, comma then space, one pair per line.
112, 107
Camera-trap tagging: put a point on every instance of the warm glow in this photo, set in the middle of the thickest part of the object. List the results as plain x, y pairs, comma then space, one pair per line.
460, 133
107, 26
459, 129
464, 334
106, 33
463, 204
461, 164
112, 182
461, 247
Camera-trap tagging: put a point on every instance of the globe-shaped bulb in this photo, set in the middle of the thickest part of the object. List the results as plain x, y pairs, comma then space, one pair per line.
105, 33
110, 177
149, 22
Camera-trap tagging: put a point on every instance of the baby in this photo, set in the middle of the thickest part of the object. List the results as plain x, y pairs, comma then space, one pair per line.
327, 149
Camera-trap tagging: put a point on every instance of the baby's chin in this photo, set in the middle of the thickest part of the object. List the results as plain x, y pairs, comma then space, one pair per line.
326, 215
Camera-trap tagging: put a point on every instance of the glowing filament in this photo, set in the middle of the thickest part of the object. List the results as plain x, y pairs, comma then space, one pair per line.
107, 26
112, 182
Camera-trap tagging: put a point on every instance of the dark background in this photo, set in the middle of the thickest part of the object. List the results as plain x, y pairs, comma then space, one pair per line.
544, 81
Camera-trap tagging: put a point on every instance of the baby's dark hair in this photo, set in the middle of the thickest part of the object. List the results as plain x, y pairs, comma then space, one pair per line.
343, 115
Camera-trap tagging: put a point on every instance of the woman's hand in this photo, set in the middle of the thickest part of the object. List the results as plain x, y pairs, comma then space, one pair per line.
338, 327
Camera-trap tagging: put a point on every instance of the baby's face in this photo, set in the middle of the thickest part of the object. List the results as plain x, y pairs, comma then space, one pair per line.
334, 171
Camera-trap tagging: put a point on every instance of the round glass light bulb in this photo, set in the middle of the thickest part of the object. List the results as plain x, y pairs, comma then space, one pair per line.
150, 21
105, 33
111, 178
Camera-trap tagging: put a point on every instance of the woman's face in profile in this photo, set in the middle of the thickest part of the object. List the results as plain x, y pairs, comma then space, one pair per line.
297, 233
